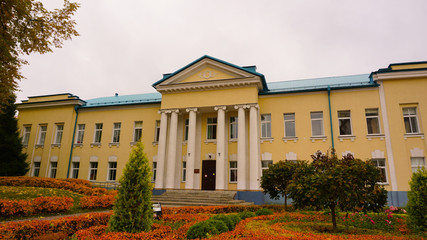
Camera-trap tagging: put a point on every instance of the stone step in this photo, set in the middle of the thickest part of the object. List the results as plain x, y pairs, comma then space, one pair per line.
180, 204
158, 199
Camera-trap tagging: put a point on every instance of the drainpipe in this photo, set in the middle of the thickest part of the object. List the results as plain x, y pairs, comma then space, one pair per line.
76, 108
330, 119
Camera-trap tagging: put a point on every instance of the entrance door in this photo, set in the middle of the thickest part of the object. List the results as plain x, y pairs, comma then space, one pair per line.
208, 174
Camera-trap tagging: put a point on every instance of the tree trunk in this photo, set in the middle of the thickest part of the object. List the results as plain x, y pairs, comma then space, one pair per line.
286, 202
334, 220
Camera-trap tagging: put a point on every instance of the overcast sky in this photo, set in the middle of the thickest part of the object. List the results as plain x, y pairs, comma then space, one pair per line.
125, 46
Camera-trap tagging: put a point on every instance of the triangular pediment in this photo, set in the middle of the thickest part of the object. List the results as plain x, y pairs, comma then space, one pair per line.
208, 72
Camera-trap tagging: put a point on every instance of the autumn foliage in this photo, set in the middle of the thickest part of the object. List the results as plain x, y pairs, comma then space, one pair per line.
35, 206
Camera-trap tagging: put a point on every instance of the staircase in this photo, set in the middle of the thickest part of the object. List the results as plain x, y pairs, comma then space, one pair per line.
178, 198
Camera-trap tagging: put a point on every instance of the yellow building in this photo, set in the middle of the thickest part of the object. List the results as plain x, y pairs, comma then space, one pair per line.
213, 125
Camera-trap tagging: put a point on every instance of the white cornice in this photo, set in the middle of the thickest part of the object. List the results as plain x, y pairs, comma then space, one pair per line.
399, 75
50, 104
210, 84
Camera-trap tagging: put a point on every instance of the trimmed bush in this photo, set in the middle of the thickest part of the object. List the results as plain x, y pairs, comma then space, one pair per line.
201, 230
417, 201
264, 211
219, 225
235, 218
35, 206
245, 214
224, 218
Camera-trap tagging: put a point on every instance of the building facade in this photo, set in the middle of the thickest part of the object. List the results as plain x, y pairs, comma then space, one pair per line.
213, 125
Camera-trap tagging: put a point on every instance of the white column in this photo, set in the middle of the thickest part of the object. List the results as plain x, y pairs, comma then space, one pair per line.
173, 129
254, 154
220, 148
241, 149
191, 148
161, 151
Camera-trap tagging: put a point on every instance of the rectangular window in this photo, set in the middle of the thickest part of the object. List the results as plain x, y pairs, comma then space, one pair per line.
266, 126
184, 171
58, 133
211, 128
317, 124
289, 119
42, 134
233, 171
265, 164
93, 170
153, 179
137, 131
36, 169
417, 163
116, 132
98, 133
187, 123
157, 131
233, 127
53, 167
112, 170
411, 120
380, 164
372, 121
75, 170
80, 133
26, 135
344, 120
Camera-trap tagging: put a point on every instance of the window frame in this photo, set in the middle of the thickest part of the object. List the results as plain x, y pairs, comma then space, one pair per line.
75, 170
112, 170
231, 170
383, 169
234, 125
368, 118
97, 133
411, 116
26, 131
269, 163
80, 133
418, 166
36, 169
157, 131
115, 138
317, 119
289, 121
53, 169
211, 128
42, 134
186, 128
93, 171
184, 171
341, 119
266, 126
58, 132
137, 130
154, 171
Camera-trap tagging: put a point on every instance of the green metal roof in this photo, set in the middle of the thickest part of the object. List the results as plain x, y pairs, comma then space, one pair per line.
119, 100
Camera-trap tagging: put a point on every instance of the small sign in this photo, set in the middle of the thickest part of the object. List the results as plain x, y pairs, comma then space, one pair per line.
196, 170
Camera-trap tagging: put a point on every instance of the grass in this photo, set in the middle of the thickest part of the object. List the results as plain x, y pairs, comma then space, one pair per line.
27, 193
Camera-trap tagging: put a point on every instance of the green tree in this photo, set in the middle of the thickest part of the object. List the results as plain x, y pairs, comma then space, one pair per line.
12, 159
27, 27
276, 179
345, 184
417, 201
133, 208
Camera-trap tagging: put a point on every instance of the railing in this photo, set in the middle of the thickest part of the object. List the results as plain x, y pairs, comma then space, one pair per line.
106, 185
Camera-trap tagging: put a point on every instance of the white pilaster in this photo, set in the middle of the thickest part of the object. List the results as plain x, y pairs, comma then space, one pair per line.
220, 149
161, 151
241, 149
173, 130
254, 154
191, 148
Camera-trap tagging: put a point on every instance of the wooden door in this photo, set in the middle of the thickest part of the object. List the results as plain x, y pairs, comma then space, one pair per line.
208, 174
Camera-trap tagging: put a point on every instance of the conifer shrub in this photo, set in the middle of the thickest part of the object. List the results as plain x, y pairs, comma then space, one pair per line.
417, 201
226, 219
235, 218
245, 214
201, 230
264, 211
219, 225
133, 208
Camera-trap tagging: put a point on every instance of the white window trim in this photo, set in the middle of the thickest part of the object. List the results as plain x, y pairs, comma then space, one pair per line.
24, 134
34, 168
40, 135
417, 166
207, 129
156, 131
114, 130
55, 142
50, 169
90, 170
236, 126
108, 171
184, 171
416, 118
379, 122
229, 172
322, 135
266, 122
134, 131
343, 118
284, 127
385, 170
78, 131
94, 142
153, 171
72, 169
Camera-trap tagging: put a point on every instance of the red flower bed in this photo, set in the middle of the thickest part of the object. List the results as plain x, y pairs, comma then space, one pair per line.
67, 225
75, 185
34, 206
104, 201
